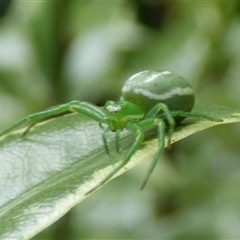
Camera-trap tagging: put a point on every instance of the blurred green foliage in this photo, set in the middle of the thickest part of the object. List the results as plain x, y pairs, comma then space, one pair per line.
52, 52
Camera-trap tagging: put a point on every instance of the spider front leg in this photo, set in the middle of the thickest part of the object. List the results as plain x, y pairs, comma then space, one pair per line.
35, 118
84, 108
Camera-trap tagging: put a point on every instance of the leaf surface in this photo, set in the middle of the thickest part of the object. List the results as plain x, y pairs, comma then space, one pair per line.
47, 172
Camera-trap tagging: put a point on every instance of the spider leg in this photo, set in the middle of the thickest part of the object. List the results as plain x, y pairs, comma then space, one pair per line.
84, 108
161, 133
16, 126
139, 129
139, 139
33, 119
195, 115
117, 140
167, 114
161, 139
104, 138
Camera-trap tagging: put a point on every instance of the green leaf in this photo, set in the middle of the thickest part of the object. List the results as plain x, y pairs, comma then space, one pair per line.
47, 172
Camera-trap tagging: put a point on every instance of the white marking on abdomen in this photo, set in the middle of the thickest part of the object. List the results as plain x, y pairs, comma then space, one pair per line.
176, 91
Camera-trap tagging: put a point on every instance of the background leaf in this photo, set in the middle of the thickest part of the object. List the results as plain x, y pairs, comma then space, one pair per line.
52, 52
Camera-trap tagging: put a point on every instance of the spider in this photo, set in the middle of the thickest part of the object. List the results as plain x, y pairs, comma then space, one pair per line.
150, 99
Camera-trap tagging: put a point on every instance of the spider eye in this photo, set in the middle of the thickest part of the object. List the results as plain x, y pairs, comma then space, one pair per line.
114, 109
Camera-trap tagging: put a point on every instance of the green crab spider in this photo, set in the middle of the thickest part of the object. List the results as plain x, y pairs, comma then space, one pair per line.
150, 99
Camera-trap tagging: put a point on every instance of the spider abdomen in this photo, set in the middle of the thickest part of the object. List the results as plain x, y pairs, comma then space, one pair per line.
148, 88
